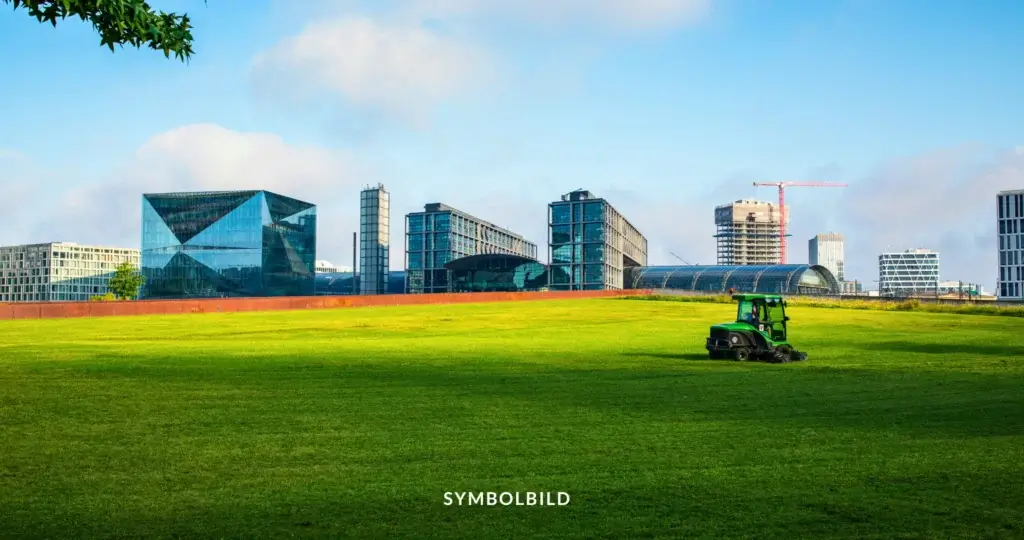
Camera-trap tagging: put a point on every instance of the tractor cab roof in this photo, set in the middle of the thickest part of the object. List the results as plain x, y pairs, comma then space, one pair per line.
750, 297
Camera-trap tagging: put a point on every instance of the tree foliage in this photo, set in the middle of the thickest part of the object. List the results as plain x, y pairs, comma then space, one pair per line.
126, 282
120, 22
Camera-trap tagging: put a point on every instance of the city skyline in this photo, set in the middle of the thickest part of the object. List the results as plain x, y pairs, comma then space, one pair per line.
507, 118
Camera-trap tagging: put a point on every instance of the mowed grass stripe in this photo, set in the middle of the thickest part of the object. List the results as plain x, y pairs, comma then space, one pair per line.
353, 423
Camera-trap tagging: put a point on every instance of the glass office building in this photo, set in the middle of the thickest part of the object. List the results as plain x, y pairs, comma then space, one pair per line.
497, 273
767, 279
441, 234
227, 244
375, 240
591, 244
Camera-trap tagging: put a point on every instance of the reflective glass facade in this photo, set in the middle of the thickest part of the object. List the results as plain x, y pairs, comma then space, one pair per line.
441, 234
497, 273
777, 279
340, 283
227, 244
590, 244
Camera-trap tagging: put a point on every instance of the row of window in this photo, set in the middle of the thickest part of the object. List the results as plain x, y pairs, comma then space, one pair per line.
1015, 241
1006, 273
46, 297
576, 212
1011, 226
1009, 258
1010, 206
1010, 290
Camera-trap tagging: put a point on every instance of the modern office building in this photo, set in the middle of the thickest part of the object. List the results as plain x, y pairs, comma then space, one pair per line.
803, 279
914, 272
227, 244
828, 250
59, 271
495, 272
441, 234
1010, 224
590, 244
748, 232
375, 240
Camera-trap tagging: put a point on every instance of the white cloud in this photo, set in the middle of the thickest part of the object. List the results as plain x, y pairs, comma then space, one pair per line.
200, 157
618, 14
400, 67
942, 200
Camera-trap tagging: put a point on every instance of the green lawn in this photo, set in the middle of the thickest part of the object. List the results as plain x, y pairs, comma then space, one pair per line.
354, 423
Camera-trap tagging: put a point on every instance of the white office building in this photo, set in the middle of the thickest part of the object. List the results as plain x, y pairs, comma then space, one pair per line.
913, 272
375, 239
59, 271
828, 250
1010, 225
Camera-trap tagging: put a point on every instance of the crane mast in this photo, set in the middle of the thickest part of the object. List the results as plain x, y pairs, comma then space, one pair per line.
783, 257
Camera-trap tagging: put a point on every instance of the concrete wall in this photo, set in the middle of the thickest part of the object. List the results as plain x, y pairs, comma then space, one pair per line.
54, 310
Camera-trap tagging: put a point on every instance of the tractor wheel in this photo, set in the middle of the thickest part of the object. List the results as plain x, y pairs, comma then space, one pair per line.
783, 354
741, 354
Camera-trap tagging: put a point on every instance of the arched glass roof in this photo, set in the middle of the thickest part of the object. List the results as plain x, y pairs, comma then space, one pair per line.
779, 278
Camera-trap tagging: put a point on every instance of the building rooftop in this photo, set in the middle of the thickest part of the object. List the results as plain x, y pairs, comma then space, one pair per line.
431, 208
1012, 192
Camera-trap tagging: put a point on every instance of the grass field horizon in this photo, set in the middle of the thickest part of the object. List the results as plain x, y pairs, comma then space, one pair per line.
355, 422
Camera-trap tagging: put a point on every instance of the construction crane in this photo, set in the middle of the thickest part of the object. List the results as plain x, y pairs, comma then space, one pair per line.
782, 207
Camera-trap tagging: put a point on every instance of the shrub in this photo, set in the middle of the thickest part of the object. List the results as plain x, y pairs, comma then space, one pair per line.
109, 297
829, 303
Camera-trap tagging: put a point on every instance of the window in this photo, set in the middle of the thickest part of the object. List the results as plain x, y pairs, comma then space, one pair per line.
561, 254
561, 234
1002, 227
593, 253
415, 242
593, 211
577, 212
593, 273
593, 232
415, 261
560, 213
442, 222
441, 258
415, 223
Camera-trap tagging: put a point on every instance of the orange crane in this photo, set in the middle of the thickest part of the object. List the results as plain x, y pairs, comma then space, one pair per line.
782, 206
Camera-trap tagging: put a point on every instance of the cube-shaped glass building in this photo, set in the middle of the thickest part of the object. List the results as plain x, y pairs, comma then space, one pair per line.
227, 244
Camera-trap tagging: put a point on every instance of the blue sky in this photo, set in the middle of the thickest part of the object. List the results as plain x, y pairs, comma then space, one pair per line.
666, 107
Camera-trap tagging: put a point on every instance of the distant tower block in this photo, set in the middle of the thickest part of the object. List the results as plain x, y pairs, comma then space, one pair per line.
375, 240
748, 232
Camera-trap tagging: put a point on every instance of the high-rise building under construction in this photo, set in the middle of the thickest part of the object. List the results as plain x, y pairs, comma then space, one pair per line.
748, 232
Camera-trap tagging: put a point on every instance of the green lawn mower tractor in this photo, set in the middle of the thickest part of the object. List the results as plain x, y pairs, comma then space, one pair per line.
759, 332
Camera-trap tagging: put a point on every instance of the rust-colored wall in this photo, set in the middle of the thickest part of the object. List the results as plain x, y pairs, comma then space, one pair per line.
56, 310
